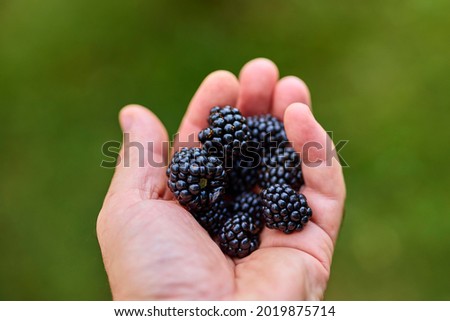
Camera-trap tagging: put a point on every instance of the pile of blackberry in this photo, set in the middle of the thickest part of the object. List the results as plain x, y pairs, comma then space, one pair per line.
245, 175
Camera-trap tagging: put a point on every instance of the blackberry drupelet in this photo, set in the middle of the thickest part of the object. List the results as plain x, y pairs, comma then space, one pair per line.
235, 238
285, 209
267, 130
250, 204
282, 167
226, 134
196, 179
213, 219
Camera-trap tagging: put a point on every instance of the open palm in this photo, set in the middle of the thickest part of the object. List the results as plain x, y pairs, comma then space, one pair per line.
154, 249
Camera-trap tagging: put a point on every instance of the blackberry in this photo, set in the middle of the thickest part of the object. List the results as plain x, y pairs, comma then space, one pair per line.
284, 209
226, 134
282, 167
267, 131
235, 238
242, 177
213, 219
250, 204
196, 179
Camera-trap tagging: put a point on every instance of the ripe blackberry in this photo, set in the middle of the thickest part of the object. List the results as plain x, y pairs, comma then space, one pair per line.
282, 167
196, 179
226, 134
267, 130
235, 238
284, 209
250, 204
213, 219
242, 177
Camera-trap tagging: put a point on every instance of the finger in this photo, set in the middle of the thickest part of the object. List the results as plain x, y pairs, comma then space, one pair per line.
140, 170
324, 182
220, 88
289, 90
258, 79
322, 171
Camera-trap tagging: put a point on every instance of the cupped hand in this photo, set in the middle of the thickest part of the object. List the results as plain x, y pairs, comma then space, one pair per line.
153, 249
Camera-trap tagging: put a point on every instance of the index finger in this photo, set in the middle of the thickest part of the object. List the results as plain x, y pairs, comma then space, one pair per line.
219, 88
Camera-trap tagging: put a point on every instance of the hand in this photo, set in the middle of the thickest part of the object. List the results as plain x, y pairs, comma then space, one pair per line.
154, 249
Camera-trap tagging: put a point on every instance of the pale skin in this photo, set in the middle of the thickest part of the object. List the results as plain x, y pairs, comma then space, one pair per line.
153, 249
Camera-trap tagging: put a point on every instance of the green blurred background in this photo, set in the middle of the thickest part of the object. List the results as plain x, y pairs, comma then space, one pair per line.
379, 76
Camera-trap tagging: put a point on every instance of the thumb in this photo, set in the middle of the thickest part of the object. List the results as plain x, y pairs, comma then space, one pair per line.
140, 169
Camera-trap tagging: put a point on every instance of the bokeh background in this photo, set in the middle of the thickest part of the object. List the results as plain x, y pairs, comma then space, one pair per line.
379, 76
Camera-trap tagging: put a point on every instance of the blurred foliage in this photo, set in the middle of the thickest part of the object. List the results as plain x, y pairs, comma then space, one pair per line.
378, 73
